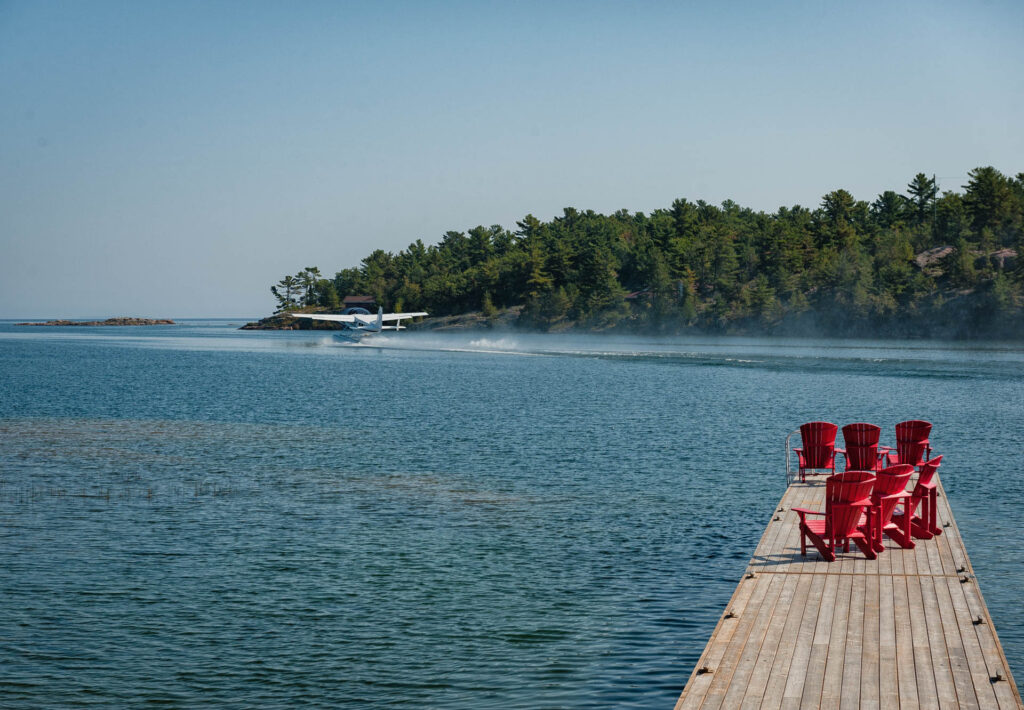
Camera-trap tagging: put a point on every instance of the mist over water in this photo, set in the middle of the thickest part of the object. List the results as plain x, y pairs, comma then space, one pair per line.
196, 515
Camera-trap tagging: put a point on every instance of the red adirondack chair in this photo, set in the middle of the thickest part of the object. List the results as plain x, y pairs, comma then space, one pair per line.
912, 445
847, 499
818, 447
890, 489
923, 526
861, 447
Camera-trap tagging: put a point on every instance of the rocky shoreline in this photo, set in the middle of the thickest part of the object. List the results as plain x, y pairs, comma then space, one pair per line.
108, 321
282, 321
466, 321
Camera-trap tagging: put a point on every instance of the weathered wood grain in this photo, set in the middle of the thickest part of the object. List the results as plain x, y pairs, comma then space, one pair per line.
907, 630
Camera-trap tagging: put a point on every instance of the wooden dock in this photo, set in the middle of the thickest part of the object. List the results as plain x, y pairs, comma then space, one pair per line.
908, 630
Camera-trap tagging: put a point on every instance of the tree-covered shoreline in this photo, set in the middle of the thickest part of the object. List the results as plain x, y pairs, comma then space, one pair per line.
910, 263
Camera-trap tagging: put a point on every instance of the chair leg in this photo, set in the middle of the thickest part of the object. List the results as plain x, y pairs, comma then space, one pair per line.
865, 547
933, 504
827, 553
902, 536
919, 526
919, 523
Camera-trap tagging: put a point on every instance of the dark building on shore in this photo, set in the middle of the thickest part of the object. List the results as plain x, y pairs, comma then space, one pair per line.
366, 302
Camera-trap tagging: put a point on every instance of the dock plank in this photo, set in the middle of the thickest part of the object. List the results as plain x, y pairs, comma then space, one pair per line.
941, 670
815, 675
972, 647
906, 674
802, 604
768, 655
888, 679
898, 631
802, 649
723, 675
924, 674
700, 679
870, 683
758, 633
835, 663
967, 695
849, 698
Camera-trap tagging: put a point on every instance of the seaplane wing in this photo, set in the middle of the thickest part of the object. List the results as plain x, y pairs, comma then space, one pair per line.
337, 318
356, 325
401, 316
358, 318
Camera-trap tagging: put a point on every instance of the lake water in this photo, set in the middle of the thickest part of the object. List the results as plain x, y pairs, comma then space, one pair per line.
193, 515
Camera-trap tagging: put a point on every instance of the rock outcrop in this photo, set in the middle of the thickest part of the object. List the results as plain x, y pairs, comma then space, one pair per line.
283, 321
109, 321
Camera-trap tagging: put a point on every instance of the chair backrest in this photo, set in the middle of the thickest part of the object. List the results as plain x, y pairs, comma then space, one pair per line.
892, 479
927, 474
861, 441
861, 434
912, 440
913, 430
819, 443
841, 490
887, 482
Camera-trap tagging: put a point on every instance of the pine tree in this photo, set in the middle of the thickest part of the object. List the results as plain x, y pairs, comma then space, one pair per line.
285, 292
922, 191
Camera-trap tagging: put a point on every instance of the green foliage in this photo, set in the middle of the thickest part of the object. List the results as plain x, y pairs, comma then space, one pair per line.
327, 295
921, 193
848, 264
950, 218
960, 265
306, 288
487, 309
889, 209
988, 199
287, 293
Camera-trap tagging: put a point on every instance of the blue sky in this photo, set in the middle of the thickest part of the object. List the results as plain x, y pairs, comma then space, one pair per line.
176, 158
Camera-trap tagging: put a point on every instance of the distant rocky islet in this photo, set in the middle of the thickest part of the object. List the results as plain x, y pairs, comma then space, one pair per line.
108, 321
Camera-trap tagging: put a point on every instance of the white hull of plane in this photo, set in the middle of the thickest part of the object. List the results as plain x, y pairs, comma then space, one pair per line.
350, 338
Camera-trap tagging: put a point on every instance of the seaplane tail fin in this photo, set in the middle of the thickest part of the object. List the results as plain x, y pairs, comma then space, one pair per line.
380, 319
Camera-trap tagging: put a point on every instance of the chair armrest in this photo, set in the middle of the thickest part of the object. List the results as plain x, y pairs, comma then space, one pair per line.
897, 496
805, 511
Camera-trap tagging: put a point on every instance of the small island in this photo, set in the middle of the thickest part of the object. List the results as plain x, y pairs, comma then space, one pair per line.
124, 320
913, 264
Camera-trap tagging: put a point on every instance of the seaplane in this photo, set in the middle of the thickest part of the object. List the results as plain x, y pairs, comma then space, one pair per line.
356, 323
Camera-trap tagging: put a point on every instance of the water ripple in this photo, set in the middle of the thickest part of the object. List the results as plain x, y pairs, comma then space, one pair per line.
238, 525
